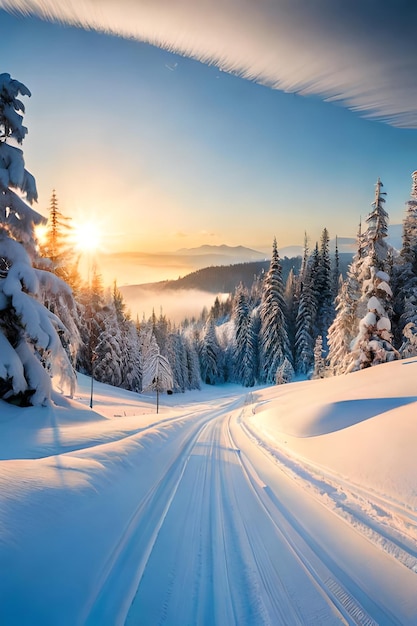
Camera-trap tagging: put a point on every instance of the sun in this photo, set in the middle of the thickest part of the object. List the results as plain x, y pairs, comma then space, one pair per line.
87, 236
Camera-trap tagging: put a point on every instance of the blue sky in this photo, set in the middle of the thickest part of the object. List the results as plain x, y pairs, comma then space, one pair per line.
166, 151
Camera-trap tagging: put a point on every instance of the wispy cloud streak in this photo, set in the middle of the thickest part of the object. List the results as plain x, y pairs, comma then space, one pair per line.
362, 53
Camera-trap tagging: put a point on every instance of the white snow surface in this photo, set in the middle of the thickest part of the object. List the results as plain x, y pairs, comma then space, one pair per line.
292, 504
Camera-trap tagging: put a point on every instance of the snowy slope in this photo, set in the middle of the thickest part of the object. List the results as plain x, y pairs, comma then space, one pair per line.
282, 505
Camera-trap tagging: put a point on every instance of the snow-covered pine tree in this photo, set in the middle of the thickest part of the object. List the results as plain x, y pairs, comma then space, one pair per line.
373, 343
193, 366
291, 302
108, 354
246, 329
157, 372
209, 354
30, 347
405, 280
147, 342
319, 361
336, 275
342, 331
251, 360
161, 329
377, 230
274, 343
344, 327
409, 247
303, 268
314, 268
177, 357
324, 290
240, 316
305, 323
92, 305
134, 375
129, 346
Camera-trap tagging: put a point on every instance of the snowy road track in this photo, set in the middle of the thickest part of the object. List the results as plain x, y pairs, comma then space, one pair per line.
218, 558
385, 522
220, 511
223, 537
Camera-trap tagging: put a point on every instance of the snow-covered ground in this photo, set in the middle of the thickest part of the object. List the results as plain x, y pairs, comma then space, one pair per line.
285, 505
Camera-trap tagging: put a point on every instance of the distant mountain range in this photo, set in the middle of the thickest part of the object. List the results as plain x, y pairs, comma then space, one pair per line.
140, 268
239, 254
133, 268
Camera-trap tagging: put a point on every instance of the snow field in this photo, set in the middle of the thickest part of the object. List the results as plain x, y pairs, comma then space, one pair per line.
282, 505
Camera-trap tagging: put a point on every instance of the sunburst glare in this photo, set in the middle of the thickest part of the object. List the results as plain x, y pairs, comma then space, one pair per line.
87, 236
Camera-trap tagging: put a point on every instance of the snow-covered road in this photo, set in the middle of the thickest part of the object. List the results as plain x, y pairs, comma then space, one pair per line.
212, 513
228, 535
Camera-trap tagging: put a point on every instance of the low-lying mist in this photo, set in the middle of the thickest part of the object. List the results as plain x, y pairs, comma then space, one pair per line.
175, 305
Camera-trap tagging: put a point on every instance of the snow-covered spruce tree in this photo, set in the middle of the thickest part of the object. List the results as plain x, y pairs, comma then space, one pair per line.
342, 331
319, 362
324, 290
344, 327
93, 311
405, 280
303, 268
240, 316
373, 343
177, 356
157, 373
305, 324
130, 358
251, 359
273, 342
190, 336
30, 347
291, 301
108, 351
132, 378
193, 367
336, 275
161, 328
210, 354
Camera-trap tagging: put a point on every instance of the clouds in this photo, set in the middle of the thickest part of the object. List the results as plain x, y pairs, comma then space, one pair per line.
362, 52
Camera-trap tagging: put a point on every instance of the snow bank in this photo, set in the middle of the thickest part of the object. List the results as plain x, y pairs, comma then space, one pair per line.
362, 426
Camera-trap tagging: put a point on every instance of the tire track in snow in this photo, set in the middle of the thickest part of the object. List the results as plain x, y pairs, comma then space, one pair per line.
218, 558
114, 593
352, 600
386, 523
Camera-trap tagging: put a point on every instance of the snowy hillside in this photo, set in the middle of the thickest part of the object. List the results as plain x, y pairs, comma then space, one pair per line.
292, 504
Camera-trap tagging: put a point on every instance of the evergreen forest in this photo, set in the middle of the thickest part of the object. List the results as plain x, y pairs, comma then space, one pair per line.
313, 323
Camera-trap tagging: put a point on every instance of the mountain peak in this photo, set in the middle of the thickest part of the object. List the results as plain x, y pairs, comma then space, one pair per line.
223, 249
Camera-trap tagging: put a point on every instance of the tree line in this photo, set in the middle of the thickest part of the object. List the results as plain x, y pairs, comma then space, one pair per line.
315, 324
